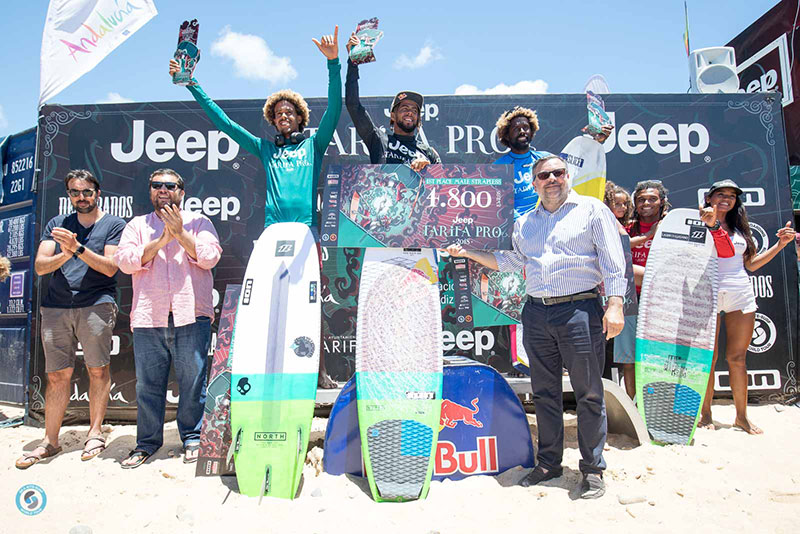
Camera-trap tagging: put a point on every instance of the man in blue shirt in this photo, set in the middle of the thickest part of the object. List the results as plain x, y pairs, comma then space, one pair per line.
79, 306
516, 129
567, 246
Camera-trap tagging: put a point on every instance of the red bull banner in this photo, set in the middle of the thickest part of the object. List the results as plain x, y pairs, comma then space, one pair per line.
483, 429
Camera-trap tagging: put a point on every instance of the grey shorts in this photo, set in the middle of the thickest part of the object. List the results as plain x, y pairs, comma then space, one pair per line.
63, 328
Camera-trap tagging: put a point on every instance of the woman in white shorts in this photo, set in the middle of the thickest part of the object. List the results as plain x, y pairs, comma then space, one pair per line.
736, 302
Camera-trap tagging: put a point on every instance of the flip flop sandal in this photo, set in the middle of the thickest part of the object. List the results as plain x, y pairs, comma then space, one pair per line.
193, 447
30, 458
89, 453
139, 458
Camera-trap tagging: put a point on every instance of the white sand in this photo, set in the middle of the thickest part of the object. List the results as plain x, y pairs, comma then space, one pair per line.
727, 482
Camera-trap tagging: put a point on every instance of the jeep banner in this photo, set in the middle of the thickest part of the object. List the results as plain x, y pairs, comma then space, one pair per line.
688, 141
764, 61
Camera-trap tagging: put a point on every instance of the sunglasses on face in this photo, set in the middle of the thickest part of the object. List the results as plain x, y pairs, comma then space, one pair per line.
170, 186
544, 175
88, 193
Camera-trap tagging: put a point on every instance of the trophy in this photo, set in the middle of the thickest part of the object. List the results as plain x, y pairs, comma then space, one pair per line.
368, 35
187, 53
597, 114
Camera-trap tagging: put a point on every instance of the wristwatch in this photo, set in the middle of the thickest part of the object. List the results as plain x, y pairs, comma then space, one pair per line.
716, 226
78, 251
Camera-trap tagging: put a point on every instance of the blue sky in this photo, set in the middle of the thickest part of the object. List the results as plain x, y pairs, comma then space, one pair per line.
428, 46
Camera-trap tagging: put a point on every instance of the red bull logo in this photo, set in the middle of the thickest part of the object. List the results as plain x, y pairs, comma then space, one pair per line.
453, 413
483, 460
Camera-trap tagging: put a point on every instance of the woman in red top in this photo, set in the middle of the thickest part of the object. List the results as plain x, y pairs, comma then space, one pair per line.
724, 209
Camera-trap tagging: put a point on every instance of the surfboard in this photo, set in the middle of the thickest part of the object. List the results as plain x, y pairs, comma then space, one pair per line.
275, 361
586, 164
215, 433
677, 323
399, 371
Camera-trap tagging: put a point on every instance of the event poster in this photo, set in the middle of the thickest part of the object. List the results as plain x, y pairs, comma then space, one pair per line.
393, 206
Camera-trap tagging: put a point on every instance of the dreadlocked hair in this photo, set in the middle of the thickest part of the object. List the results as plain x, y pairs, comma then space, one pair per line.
294, 98
736, 219
504, 122
662, 194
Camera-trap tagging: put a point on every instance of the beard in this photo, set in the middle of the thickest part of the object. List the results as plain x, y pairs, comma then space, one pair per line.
89, 208
408, 130
521, 146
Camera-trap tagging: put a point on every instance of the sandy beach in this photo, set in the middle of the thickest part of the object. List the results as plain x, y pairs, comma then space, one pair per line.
727, 481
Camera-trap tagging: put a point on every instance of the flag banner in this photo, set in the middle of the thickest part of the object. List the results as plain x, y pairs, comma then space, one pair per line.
78, 34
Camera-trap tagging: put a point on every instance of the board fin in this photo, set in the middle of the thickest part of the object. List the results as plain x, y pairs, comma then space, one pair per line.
298, 464
234, 448
264, 485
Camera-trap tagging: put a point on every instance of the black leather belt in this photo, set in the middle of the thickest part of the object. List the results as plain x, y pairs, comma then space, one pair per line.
549, 301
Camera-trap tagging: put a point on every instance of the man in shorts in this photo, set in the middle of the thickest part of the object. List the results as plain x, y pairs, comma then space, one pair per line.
79, 306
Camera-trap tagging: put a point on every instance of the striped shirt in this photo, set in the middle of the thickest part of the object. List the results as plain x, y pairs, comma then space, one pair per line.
568, 251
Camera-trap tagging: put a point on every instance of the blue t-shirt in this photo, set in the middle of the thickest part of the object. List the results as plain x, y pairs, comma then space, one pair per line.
525, 196
75, 284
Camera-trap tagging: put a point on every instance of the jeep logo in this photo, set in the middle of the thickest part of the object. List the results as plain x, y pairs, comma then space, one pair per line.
161, 147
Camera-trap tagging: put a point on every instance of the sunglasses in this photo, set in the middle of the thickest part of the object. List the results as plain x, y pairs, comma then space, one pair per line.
558, 173
88, 193
170, 186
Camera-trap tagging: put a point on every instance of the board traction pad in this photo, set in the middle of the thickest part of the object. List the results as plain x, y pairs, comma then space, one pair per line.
399, 371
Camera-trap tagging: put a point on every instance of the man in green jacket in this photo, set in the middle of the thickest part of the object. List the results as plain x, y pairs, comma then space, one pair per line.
291, 162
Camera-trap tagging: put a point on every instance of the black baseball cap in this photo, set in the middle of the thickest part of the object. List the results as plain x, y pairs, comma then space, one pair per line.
407, 95
722, 184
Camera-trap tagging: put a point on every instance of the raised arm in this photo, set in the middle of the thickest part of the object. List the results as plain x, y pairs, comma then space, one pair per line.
358, 113
329, 46
241, 136
785, 236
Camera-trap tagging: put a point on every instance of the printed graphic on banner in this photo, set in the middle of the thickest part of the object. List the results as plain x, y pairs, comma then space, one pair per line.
393, 206
341, 275
497, 297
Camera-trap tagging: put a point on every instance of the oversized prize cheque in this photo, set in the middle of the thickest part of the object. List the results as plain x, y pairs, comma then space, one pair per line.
393, 206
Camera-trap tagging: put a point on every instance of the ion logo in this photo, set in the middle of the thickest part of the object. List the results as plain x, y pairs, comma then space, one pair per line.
449, 459
284, 248
751, 196
269, 436
248, 290
760, 236
764, 334
31, 499
763, 379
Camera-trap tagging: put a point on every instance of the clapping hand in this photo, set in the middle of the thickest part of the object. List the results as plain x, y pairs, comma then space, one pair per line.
329, 44
65, 238
173, 221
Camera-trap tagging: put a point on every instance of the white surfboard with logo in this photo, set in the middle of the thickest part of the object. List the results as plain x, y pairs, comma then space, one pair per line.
586, 163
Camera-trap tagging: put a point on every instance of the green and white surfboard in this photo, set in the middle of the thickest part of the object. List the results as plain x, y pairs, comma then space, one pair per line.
275, 352
399, 371
676, 327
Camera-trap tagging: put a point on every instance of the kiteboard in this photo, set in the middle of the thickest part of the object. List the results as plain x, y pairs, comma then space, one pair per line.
586, 164
215, 433
399, 371
275, 352
677, 326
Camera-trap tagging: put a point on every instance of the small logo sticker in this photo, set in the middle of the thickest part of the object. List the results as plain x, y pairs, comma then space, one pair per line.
31, 499
248, 290
243, 387
303, 347
312, 292
269, 436
284, 248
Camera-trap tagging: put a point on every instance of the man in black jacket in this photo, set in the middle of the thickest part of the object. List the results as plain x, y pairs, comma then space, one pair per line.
402, 145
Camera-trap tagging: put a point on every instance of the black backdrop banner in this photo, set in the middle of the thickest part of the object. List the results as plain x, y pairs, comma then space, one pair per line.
687, 141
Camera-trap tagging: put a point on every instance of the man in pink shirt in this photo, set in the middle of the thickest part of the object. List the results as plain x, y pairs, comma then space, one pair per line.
170, 254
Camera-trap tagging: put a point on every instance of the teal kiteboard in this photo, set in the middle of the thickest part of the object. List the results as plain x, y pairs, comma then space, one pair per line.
399, 371
275, 361
677, 324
